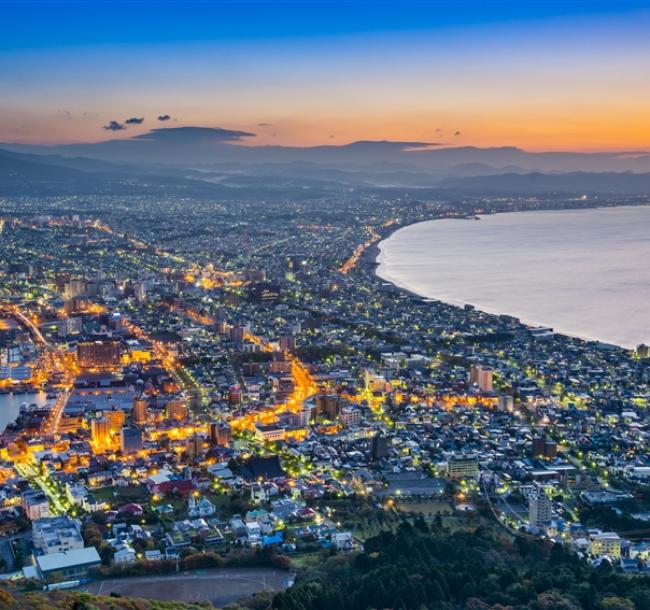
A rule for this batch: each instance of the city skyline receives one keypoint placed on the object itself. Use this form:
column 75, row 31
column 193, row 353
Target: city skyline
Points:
column 540, row 76
column 315, row 304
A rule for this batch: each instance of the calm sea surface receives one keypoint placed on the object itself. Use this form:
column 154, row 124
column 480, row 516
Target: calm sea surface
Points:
column 586, row 273
column 10, row 405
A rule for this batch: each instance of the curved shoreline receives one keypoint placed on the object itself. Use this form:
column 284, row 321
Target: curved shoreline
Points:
column 376, row 253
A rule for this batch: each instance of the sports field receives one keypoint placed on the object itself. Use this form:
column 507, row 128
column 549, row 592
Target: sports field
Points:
column 220, row 587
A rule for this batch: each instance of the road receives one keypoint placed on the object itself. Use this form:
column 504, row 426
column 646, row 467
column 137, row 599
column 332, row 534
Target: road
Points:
column 54, row 418
column 59, row 504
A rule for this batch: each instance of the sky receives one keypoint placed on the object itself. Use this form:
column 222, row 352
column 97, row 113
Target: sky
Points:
column 553, row 75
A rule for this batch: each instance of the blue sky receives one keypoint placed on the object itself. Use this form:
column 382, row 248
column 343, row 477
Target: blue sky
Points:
column 555, row 74
column 49, row 23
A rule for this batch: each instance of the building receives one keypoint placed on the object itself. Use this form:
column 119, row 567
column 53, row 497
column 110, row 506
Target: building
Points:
column 194, row 446
column 540, row 509
column 343, row 541
column 506, row 403
column 606, row 544
column 116, row 419
column 74, row 288
column 220, row 434
column 543, row 448
column 350, row 416
column 178, row 410
column 140, row 291
column 56, row 535
column 76, row 492
column 139, row 411
column 130, row 440
column 201, row 507
column 287, row 343
column 98, row 354
column 35, row 504
column 298, row 419
column 462, row 467
column 264, row 292
column 100, row 432
column 68, row 565
column 270, row 433
column 380, row 446
column 481, row 376
column 643, row 351
column 328, row 405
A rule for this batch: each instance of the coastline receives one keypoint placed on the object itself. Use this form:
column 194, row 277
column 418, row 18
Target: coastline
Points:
column 375, row 252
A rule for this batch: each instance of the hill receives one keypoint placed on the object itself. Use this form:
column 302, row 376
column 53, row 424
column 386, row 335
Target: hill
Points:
column 70, row 600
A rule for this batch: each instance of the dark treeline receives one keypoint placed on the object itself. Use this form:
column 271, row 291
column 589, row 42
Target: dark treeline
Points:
column 415, row 568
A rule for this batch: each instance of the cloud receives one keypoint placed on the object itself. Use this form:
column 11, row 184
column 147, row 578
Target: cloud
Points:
column 187, row 135
column 114, row 126
column 134, row 120
column 164, row 117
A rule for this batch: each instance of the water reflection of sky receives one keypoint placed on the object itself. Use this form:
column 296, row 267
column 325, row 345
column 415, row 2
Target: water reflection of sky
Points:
column 10, row 405
column 583, row 272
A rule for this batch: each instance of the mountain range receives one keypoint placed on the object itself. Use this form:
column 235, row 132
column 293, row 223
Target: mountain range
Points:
column 208, row 162
column 192, row 146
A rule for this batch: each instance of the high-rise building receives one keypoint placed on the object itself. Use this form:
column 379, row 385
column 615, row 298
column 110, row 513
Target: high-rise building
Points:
column 380, row 446
column 350, row 416
column 116, row 419
column 539, row 509
column 481, row 376
column 328, row 405
column 220, row 434
column 287, row 343
column 139, row 411
column 100, row 432
column 538, row 446
column 177, row 409
column 194, row 446
column 236, row 333
column 506, row 403
column 98, row 354
column 74, row 288
column 139, row 291
column 130, row 440
column 544, row 448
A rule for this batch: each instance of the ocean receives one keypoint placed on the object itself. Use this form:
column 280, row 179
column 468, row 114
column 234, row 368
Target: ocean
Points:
column 586, row 273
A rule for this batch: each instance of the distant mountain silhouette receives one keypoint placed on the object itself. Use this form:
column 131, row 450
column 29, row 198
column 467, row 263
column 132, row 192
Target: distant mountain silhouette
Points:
column 194, row 146
column 41, row 175
column 573, row 182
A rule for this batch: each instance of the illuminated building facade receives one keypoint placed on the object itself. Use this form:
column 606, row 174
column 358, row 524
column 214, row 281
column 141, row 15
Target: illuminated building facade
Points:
column 98, row 354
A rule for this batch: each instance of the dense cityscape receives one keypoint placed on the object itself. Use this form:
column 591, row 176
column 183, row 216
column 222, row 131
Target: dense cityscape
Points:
column 324, row 305
column 233, row 383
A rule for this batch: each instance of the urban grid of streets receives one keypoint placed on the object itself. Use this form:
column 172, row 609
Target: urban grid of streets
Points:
column 246, row 331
